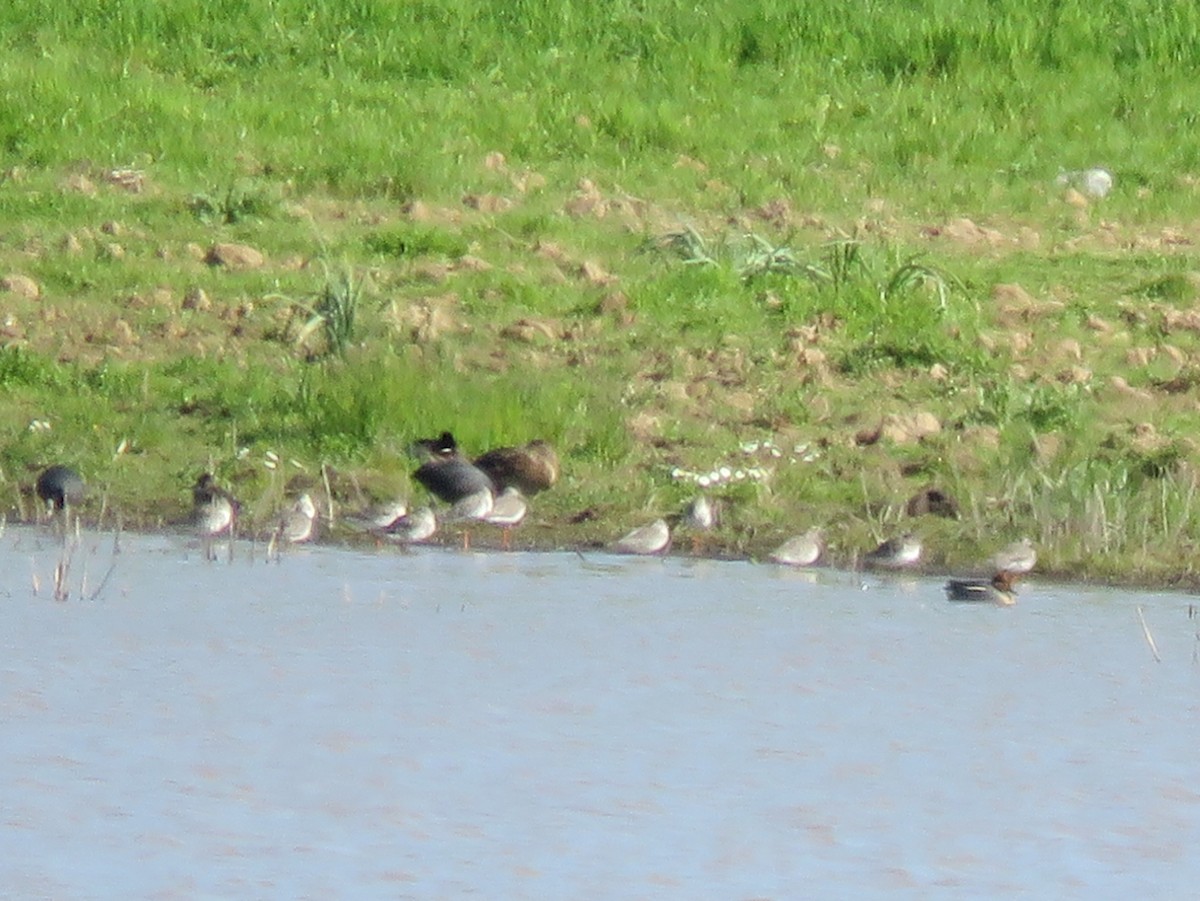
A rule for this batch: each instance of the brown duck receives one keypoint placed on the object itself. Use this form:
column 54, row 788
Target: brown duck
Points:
column 530, row 468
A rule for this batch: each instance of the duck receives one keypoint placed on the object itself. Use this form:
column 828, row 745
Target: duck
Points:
column 530, row 468
column 508, row 511
column 60, row 486
column 800, row 550
column 446, row 473
column 901, row 552
column 646, row 540
column 997, row 590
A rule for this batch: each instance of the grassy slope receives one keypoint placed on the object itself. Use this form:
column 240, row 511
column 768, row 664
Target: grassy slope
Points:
column 496, row 179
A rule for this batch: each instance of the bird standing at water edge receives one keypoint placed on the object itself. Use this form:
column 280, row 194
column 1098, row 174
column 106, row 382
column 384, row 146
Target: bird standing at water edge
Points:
column 700, row 517
column 214, row 510
column 298, row 522
column 1017, row 559
column 802, row 550
column 60, row 487
column 654, row 538
column 446, row 473
column 412, row 528
column 508, row 512
column 896, row 553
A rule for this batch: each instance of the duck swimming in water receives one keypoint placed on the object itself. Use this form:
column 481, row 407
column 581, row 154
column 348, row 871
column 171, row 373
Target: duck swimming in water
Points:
column 997, row 590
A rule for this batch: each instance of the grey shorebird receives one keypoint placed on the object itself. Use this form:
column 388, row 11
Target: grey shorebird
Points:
column 902, row 552
column 378, row 517
column 700, row 516
column 298, row 522
column 214, row 511
column 1018, row 558
column 801, row 550
column 508, row 511
column 654, row 538
column 412, row 528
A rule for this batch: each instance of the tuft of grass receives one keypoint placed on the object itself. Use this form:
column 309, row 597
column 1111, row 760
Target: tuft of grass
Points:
column 239, row 202
column 335, row 313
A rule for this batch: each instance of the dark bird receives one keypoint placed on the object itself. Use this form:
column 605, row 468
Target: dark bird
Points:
column 446, row 473
column 996, row 590
column 530, row 468
column 214, row 510
column 61, row 486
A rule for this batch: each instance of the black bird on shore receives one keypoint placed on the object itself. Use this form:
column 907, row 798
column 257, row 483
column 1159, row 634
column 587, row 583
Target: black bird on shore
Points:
column 61, row 486
column 446, row 473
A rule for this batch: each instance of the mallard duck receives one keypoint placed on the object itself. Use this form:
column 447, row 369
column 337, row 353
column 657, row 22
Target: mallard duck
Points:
column 530, row 468
column 60, row 486
column 896, row 553
column 801, row 550
column 996, row 590
column 654, row 538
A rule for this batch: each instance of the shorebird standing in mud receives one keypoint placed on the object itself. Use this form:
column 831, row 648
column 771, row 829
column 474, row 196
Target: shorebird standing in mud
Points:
column 802, row 550
column 412, row 528
column 508, row 511
column 214, row 511
column 896, row 553
column 1018, row 558
column 654, row 538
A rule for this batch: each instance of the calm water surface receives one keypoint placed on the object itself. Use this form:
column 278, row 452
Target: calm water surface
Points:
column 442, row 725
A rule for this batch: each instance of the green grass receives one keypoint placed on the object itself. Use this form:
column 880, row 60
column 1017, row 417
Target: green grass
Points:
column 651, row 235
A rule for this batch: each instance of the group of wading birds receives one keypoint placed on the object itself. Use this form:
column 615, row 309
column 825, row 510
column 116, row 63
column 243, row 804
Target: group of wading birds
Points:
column 493, row 489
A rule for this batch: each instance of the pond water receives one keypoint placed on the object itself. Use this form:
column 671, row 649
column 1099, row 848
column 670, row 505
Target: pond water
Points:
column 436, row 724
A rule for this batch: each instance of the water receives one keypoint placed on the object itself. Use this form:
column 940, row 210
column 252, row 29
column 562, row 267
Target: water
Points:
column 440, row 724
